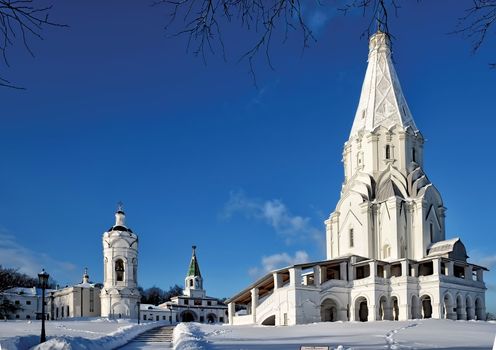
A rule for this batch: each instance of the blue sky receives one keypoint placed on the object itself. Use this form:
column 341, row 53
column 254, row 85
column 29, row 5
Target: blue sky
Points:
column 115, row 110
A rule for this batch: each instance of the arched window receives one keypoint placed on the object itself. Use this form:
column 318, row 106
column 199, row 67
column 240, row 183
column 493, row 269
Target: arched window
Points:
column 388, row 152
column 191, row 283
column 119, row 270
column 352, row 238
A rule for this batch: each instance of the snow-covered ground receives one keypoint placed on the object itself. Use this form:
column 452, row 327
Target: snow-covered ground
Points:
column 100, row 334
column 414, row 334
column 94, row 334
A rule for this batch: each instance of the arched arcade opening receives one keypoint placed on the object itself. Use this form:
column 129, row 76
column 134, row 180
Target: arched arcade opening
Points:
column 361, row 309
column 329, row 310
column 426, row 306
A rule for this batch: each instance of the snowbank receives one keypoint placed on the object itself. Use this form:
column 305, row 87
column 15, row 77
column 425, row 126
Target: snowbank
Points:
column 88, row 333
column 111, row 341
column 19, row 342
column 188, row 336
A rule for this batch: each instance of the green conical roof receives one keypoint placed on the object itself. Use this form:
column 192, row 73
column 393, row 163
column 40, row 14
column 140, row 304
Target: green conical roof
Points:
column 194, row 268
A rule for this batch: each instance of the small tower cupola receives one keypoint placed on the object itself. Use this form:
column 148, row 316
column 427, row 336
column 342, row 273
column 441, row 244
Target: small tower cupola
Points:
column 86, row 277
column 120, row 217
column 193, row 284
column 120, row 220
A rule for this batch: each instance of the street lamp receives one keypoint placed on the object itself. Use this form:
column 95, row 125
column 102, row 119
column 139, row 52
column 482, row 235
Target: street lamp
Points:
column 139, row 313
column 43, row 281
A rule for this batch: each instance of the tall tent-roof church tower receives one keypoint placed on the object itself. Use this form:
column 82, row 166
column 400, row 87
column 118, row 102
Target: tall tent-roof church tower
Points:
column 120, row 296
column 387, row 254
column 388, row 207
column 193, row 283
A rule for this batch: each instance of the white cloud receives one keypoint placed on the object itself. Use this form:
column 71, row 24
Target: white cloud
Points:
column 318, row 19
column 276, row 261
column 15, row 255
column 479, row 258
column 275, row 213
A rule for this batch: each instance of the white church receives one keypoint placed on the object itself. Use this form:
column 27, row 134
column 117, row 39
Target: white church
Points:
column 387, row 253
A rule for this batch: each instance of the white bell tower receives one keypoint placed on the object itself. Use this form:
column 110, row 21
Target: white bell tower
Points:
column 120, row 296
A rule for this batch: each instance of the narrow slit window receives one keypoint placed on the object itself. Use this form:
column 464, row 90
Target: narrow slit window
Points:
column 352, row 238
column 388, row 152
column 414, row 155
column 119, row 270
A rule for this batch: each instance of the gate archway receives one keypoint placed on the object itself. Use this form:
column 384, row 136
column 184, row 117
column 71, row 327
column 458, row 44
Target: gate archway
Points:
column 188, row 316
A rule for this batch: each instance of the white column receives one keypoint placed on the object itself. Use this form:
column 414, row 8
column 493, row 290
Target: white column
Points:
column 468, row 272
column 450, row 267
column 316, row 275
column 254, row 304
column 387, row 271
column 414, row 270
column 342, row 270
column 351, row 273
column 231, row 309
column 373, row 268
column 372, row 313
column 480, row 275
column 295, row 276
column 277, row 280
column 436, row 266
column 404, row 268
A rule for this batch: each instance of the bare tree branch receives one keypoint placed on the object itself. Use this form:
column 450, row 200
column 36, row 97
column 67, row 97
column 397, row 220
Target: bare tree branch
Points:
column 202, row 22
column 21, row 20
column 477, row 21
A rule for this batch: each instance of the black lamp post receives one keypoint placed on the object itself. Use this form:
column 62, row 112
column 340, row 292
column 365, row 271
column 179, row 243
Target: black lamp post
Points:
column 43, row 281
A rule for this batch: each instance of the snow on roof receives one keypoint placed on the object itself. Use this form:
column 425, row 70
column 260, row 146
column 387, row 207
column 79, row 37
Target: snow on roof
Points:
column 445, row 246
column 33, row 291
column 453, row 248
column 22, row 290
column 85, row 285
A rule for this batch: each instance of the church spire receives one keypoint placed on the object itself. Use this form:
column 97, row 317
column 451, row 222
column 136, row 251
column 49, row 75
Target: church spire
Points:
column 193, row 284
column 382, row 102
column 194, row 268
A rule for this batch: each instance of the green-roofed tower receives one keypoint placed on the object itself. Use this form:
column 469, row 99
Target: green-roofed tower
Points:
column 194, row 268
column 193, row 285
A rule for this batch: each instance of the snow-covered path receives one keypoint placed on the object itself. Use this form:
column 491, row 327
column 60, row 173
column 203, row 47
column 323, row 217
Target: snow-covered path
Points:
column 414, row 334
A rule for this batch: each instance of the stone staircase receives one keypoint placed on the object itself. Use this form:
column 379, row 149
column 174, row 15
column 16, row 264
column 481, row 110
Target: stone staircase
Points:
column 158, row 336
